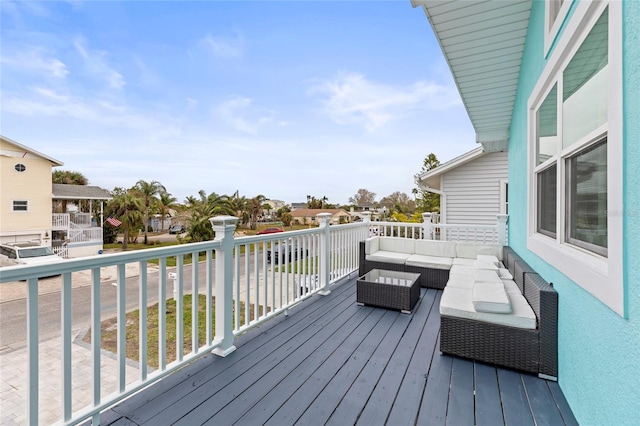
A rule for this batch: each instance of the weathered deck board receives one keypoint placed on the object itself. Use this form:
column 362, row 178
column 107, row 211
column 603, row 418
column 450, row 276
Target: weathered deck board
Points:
column 333, row 362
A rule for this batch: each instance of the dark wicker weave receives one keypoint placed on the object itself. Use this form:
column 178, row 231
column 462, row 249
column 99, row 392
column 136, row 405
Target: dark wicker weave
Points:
column 534, row 351
column 492, row 343
column 544, row 301
column 431, row 278
column 389, row 296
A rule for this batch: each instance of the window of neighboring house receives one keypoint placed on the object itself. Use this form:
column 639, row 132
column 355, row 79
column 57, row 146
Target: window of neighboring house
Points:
column 576, row 155
column 20, row 206
column 555, row 13
column 20, row 167
column 504, row 196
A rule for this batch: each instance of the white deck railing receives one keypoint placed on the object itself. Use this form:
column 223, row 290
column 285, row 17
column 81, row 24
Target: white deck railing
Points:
column 486, row 234
column 241, row 282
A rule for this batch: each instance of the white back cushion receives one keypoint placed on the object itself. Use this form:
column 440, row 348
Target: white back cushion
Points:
column 472, row 250
column 371, row 245
column 398, row 245
column 436, row 248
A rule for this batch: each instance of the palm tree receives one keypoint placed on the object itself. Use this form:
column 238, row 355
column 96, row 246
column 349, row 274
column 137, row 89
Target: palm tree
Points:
column 69, row 177
column 201, row 210
column 240, row 206
column 148, row 192
column 126, row 207
column 165, row 203
column 255, row 209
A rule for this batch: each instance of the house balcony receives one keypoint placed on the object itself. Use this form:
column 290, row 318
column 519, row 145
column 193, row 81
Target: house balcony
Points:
column 274, row 343
column 75, row 235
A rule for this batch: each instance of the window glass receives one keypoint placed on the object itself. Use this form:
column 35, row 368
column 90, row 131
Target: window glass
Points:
column 587, row 198
column 20, row 206
column 554, row 9
column 584, row 91
column 547, row 205
column 547, row 127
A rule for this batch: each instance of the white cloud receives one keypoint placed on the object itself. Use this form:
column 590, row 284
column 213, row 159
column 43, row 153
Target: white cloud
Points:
column 96, row 64
column 224, row 47
column 37, row 60
column 350, row 98
column 238, row 112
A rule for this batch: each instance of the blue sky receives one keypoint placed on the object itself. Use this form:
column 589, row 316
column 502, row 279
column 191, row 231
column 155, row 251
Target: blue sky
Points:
column 277, row 98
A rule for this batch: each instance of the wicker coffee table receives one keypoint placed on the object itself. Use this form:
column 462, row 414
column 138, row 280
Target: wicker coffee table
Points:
column 388, row 289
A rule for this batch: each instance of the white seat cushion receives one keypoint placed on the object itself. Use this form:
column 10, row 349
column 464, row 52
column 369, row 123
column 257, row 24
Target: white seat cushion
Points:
column 457, row 302
column 478, row 264
column 490, row 297
column 481, row 275
column 461, row 270
column 463, row 261
column 433, row 262
column 488, row 258
column 388, row 256
column 504, row 274
column 466, row 281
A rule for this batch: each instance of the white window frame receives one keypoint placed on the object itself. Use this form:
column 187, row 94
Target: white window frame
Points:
column 504, row 200
column 601, row 276
column 552, row 28
column 13, row 206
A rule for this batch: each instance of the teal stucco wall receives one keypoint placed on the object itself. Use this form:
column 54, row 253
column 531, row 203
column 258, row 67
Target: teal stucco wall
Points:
column 599, row 351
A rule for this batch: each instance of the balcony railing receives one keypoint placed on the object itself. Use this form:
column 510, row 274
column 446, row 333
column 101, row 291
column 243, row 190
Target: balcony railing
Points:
column 241, row 282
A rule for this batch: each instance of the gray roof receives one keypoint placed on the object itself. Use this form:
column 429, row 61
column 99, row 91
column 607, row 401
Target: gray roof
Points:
column 79, row 192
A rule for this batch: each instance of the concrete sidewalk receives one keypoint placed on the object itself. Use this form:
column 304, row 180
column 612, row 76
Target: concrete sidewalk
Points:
column 14, row 385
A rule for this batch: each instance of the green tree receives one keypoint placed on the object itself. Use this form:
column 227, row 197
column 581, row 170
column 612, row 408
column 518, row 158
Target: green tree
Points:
column 69, row 177
column 148, row 192
column 127, row 207
column 201, row 210
column 165, row 203
column 426, row 201
column 363, row 196
column 255, row 209
column 398, row 201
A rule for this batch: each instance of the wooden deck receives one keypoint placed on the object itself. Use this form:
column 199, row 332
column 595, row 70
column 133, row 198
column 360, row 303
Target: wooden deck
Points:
column 333, row 362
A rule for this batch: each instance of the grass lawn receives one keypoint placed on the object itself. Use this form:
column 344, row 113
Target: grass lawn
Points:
column 109, row 330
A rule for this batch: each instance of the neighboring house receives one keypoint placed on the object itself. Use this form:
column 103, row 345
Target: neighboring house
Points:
column 310, row 216
column 296, row 206
column 376, row 213
column 77, row 230
column 472, row 187
column 25, row 193
column 544, row 80
column 34, row 209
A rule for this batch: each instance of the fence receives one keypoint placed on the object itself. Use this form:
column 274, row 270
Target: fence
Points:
column 188, row 300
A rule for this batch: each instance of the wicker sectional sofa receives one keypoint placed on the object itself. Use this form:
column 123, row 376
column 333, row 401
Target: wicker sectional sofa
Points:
column 526, row 342
column 534, row 350
column 431, row 259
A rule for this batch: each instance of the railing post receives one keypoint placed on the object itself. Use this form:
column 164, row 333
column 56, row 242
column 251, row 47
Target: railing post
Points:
column 502, row 229
column 325, row 252
column 427, row 226
column 224, row 226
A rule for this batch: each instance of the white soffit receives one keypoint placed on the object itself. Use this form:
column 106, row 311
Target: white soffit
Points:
column 482, row 42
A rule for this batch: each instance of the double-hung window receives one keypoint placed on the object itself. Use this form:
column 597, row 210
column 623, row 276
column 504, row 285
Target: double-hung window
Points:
column 575, row 154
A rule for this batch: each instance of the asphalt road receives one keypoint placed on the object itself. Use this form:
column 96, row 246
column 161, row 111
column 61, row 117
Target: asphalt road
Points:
column 13, row 315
